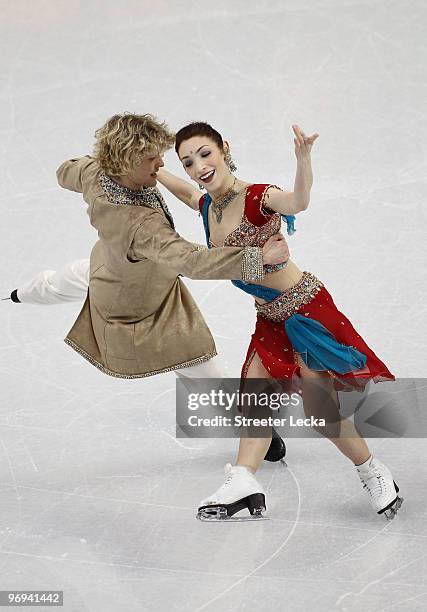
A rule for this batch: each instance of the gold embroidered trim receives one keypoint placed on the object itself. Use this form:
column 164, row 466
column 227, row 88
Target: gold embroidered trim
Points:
column 123, row 196
column 265, row 196
column 248, row 234
column 252, row 264
column 291, row 300
column 100, row 366
column 248, row 363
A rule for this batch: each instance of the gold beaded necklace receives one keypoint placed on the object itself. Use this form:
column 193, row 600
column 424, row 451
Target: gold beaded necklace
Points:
column 221, row 203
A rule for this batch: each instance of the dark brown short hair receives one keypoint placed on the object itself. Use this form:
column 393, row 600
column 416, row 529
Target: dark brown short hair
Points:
column 198, row 128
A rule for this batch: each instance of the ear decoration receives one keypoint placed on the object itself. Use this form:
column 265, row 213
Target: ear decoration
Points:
column 229, row 161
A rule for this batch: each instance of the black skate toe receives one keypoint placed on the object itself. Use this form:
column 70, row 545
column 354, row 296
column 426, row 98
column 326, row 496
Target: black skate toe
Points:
column 277, row 449
column 14, row 296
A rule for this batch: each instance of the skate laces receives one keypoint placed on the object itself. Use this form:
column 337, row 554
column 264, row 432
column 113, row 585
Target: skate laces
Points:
column 226, row 484
column 230, row 474
column 375, row 490
column 227, row 468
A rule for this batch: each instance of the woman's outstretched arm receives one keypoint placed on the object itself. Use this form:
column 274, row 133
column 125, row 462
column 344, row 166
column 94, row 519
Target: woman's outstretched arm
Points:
column 292, row 202
column 181, row 189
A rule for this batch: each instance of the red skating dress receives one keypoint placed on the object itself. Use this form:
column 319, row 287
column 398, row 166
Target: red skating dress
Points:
column 308, row 298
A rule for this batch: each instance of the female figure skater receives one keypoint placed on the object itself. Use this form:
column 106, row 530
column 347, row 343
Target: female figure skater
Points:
column 300, row 334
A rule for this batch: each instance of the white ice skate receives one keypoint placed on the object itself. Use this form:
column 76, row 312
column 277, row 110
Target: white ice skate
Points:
column 378, row 481
column 240, row 490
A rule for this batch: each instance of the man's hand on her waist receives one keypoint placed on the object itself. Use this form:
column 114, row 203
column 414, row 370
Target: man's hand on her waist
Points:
column 275, row 250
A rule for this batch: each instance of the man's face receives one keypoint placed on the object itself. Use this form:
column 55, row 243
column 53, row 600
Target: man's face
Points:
column 145, row 173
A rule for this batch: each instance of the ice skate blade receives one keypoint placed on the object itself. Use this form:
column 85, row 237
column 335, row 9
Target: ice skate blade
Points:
column 255, row 503
column 222, row 517
column 392, row 510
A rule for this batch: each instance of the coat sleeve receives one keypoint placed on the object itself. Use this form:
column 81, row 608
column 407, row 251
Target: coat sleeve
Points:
column 156, row 240
column 71, row 173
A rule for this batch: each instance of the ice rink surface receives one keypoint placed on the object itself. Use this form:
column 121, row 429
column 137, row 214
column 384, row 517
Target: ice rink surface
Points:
column 97, row 497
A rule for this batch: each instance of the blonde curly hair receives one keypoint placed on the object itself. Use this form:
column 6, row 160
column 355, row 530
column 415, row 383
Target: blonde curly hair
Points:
column 125, row 139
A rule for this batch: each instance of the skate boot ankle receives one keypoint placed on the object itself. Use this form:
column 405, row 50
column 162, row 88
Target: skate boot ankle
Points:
column 277, row 449
column 378, row 482
column 240, row 490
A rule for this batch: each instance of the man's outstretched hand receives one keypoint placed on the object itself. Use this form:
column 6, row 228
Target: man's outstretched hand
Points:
column 275, row 250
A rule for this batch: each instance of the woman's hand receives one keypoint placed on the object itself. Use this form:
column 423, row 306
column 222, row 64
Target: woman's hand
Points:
column 275, row 250
column 303, row 143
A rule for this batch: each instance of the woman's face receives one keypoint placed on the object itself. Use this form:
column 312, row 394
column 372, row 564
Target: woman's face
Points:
column 203, row 161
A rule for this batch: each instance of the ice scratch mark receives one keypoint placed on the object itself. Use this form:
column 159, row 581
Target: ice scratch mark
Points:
column 276, row 552
column 377, row 581
column 31, row 458
column 177, row 441
column 15, row 484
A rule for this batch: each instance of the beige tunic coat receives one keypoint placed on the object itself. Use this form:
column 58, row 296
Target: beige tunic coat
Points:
column 139, row 318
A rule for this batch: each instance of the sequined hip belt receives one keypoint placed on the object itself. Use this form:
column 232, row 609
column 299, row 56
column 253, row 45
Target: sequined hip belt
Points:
column 287, row 303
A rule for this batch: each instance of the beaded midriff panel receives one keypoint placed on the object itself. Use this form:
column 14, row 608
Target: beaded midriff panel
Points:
column 248, row 234
column 291, row 300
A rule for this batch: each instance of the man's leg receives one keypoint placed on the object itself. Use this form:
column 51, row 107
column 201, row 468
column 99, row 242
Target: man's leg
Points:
column 69, row 284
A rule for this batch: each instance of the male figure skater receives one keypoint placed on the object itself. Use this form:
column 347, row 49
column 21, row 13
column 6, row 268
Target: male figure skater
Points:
column 138, row 318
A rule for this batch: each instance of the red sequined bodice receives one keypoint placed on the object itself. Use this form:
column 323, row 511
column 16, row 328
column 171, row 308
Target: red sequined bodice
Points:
column 258, row 224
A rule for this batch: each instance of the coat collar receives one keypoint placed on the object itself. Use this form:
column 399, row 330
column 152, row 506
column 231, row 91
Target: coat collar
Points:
column 123, row 196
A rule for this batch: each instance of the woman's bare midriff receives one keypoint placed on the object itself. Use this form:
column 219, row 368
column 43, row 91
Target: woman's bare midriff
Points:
column 282, row 279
